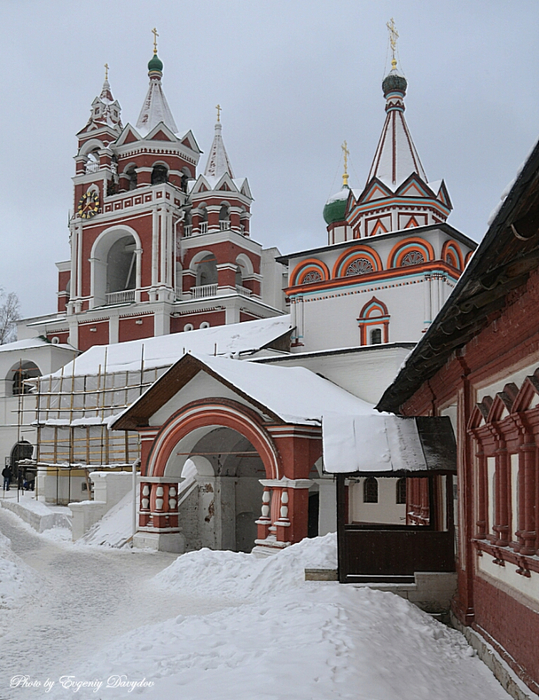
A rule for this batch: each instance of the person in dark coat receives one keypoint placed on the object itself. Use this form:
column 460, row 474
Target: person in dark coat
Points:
column 6, row 473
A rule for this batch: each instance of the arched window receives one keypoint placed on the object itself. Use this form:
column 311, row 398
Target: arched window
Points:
column 414, row 257
column 359, row 266
column 20, row 373
column 185, row 179
column 224, row 218
column 373, row 323
column 400, row 496
column 121, row 269
column 207, row 270
column 187, row 224
column 188, row 327
column 376, row 336
column 204, row 324
column 92, row 161
column 159, row 174
column 131, row 175
column 311, row 276
column 370, row 490
column 203, row 219
column 239, row 276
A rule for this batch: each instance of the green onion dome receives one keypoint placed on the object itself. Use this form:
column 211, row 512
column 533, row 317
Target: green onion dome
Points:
column 155, row 64
column 336, row 206
column 393, row 82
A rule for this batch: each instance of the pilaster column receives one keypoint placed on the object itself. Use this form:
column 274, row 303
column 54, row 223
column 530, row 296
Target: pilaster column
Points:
column 501, row 527
column 158, row 504
column 482, row 490
column 527, row 511
column 264, row 521
column 288, row 511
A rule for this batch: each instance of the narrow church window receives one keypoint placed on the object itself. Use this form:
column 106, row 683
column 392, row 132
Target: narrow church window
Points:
column 376, row 336
column 360, row 266
column 370, row 490
column 414, row 257
column 401, row 491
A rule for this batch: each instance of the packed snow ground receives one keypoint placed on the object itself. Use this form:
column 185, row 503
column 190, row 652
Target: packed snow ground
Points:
column 216, row 625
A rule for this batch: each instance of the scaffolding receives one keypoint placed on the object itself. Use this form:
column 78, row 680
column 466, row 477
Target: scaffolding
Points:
column 73, row 414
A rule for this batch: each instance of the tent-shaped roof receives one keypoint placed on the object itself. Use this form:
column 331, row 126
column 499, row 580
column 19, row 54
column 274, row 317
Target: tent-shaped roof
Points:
column 507, row 254
column 285, row 394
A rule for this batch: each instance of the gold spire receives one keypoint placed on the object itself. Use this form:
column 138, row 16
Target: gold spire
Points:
column 393, row 36
column 346, row 153
column 155, row 35
column 219, row 110
column 106, row 71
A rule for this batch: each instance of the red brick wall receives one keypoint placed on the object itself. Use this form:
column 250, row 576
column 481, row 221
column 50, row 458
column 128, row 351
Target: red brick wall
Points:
column 87, row 337
column 214, row 318
column 513, row 623
column 62, row 336
column 135, row 328
column 509, row 342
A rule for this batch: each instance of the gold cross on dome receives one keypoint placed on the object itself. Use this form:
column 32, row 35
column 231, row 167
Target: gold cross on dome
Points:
column 346, row 153
column 219, row 110
column 393, row 36
column 155, row 35
column 106, row 71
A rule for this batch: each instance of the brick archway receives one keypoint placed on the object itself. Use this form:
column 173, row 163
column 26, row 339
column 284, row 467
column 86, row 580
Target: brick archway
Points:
column 223, row 413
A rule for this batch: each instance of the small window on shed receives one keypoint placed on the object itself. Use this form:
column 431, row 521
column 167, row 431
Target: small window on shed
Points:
column 401, row 491
column 370, row 490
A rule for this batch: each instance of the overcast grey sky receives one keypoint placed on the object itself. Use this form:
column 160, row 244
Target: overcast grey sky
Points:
column 294, row 78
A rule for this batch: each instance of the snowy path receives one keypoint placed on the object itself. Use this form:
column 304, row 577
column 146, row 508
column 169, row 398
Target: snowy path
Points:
column 103, row 614
column 88, row 597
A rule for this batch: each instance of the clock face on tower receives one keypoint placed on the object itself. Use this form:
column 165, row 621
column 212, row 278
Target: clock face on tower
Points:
column 88, row 205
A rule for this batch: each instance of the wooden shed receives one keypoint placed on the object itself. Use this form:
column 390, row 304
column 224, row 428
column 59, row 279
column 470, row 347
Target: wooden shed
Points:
column 394, row 496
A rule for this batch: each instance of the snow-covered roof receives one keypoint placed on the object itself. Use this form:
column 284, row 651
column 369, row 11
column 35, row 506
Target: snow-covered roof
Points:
column 295, row 394
column 29, row 344
column 385, row 443
column 165, row 350
column 290, row 394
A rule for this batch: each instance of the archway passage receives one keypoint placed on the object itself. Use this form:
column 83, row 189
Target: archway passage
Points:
column 220, row 500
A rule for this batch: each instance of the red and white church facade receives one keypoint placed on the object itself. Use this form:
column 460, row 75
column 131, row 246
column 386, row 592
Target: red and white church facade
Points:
column 155, row 249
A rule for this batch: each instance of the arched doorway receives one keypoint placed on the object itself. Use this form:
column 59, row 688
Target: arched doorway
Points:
column 220, row 503
column 20, row 451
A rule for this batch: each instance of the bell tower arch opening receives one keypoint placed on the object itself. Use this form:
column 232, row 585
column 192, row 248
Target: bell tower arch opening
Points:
column 115, row 267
